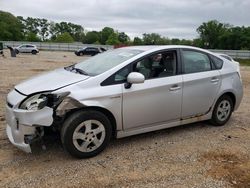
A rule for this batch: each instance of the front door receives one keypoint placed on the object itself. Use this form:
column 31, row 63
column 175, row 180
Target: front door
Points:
column 158, row 99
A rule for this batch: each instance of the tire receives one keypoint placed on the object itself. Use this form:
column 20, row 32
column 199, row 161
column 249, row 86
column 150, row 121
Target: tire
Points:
column 34, row 52
column 17, row 51
column 81, row 54
column 79, row 133
column 222, row 111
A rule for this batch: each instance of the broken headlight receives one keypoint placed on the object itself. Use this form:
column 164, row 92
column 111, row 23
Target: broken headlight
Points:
column 35, row 102
column 39, row 101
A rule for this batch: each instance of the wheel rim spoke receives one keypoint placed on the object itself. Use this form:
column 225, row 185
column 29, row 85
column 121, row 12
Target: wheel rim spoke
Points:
column 98, row 130
column 96, row 142
column 85, row 145
column 88, row 126
column 78, row 135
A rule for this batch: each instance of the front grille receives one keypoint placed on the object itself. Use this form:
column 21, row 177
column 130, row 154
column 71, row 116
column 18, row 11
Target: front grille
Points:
column 9, row 105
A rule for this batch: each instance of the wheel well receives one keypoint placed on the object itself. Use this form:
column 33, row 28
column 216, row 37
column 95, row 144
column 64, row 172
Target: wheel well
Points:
column 232, row 96
column 106, row 112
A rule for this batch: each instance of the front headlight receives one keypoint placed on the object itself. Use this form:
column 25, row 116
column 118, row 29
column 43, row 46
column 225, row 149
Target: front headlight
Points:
column 39, row 101
column 35, row 102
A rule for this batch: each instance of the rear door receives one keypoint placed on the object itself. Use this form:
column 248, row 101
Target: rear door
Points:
column 201, row 83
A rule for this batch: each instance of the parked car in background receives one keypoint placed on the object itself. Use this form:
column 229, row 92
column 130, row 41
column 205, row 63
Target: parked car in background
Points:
column 89, row 51
column 123, row 92
column 27, row 48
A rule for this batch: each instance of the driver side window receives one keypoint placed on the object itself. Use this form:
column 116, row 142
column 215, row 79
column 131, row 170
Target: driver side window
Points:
column 157, row 65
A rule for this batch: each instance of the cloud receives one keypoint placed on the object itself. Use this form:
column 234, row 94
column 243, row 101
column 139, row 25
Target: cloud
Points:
column 169, row 18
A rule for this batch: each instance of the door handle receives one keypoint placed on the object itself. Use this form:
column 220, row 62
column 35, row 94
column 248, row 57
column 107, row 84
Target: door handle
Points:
column 174, row 88
column 214, row 79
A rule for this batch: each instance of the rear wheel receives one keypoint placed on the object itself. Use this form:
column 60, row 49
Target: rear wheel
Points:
column 86, row 133
column 222, row 110
column 34, row 52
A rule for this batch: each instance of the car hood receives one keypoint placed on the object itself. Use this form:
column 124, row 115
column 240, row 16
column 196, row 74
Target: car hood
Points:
column 50, row 81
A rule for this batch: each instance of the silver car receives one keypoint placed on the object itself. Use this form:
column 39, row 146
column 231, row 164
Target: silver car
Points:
column 27, row 48
column 123, row 92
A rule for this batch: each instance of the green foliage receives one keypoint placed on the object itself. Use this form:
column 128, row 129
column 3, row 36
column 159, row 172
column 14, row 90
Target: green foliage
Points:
column 32, row 37
column 64, row 37
column 211, row 32
column 105, row 34
column 244, row 62
column 10, row 27
column 137, row 41
column 113, row 39
column 92, row 37
column 123, row 38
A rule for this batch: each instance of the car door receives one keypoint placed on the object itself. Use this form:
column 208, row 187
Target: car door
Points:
column 201, row 83
column 88, row 51
column 22, row 48
column 158, row 99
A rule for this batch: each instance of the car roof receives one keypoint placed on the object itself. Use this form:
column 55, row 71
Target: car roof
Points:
column 160, row 47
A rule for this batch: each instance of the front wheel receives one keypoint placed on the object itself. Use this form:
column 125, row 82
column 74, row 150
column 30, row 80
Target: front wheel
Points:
column 86, row 133
column 222, row 111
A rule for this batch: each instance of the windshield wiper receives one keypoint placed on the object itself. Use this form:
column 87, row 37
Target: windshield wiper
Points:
column 76, row 70
column 80, row 71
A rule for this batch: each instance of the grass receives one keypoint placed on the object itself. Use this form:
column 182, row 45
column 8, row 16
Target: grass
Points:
column 244, row 62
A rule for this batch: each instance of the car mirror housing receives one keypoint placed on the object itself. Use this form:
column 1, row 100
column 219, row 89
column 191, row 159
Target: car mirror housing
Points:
column 135, row 78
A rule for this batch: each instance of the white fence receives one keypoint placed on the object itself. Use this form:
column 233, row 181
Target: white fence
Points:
column 54, row 46
column 238, row 54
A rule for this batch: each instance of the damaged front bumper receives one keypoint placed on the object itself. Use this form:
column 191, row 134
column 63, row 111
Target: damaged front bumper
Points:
column 22, row 125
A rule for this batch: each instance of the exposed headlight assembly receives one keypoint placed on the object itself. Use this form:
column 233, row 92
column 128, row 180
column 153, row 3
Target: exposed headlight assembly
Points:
column 39, row 101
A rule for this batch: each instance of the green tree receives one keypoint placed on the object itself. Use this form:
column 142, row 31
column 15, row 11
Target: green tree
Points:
column 113, row 39
column 137, row 41
column 123, row 38
column 64, row 37
column 10, row 27
column 43, row 28
column 152, row 39
column 92, row 37
column 105, row 34
column 32, row 37
column 210, row 33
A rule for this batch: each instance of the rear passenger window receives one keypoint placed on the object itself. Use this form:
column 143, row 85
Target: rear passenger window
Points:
column 217, row 62
column 194, row 61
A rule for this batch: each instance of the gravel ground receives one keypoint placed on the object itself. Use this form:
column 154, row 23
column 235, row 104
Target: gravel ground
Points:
column 194, row 155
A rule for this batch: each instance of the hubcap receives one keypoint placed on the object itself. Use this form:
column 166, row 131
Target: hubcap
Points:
column 89, row 135
column 223, row 110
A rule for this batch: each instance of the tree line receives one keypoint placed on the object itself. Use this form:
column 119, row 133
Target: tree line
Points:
column 212, row 34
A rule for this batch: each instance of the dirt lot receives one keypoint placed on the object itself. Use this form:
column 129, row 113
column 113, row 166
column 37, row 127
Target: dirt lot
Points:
column 195, row 155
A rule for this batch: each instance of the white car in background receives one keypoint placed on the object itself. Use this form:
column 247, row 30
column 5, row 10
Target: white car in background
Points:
column 27, row 48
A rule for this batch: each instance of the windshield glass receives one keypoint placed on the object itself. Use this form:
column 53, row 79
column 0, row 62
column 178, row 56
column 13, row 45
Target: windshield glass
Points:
column 105, row 61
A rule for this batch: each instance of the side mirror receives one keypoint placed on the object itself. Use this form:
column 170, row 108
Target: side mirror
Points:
column 134, row 78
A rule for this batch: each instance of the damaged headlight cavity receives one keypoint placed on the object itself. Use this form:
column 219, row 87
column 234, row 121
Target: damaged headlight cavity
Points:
column 39, row 101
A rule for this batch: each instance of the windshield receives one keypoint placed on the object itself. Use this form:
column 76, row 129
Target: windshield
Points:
column 105, row 61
